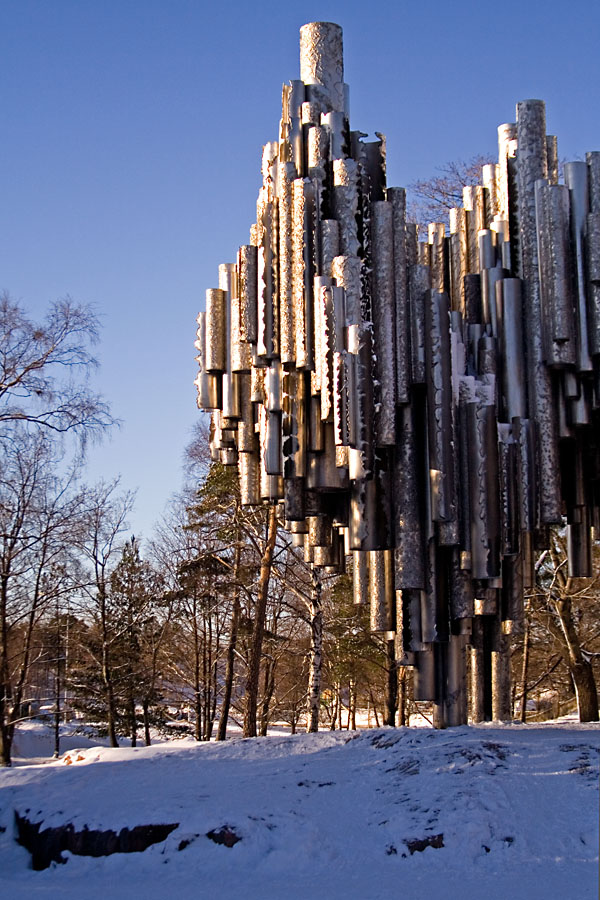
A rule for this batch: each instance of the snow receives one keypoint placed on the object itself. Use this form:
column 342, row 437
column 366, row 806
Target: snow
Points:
column 326, row 815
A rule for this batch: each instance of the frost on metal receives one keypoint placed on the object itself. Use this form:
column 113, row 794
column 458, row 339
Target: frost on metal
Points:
column 419, row 411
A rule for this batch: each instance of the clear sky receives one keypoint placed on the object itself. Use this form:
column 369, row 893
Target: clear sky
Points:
column 131, row 143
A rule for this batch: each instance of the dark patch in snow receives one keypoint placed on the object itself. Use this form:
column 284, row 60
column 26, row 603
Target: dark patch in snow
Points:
column 497, row 750
column 225, row 835
column 315, row 783
column 408, row 767
column 185, row 842
column 383, row 741
column 487, row 849
column 391, row 850
column 269, row 825
column 47, row 846
column 417, row 845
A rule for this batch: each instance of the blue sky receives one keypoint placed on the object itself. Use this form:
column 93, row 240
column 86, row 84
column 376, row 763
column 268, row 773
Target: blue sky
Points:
column 131, row 144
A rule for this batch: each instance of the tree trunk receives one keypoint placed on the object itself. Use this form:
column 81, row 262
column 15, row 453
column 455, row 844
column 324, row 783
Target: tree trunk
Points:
column 132, row 721
column 230, row 656
column 500, row 675
column 579, row 667
column 334, row 711
column 145, row 706
column 197, row 675
column 259, row 626
column 352, row 709
column 316, row 654
column 5, row 691
column 56, row 753
column 374, row 705
column 525, row 672
column 198, row 723
column 269, row 688
column 402, row 697
column 111, row 718
column 477, row 693
column 391, row 685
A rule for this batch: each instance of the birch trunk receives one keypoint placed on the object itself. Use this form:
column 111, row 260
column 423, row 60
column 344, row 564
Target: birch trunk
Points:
column 316, row 654
column 231, row 646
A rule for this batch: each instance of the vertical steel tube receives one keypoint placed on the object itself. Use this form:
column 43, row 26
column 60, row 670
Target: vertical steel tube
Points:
column 346, row 271
column 216, row 339
column 303, row 270
column 576, row 180
column 397, row 198
column 510, row 314
column 322, row 64
column 532, row 166
column 384, row 315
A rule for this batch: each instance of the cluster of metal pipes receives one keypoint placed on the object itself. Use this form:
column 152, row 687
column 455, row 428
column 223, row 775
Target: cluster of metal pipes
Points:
column 424, row 409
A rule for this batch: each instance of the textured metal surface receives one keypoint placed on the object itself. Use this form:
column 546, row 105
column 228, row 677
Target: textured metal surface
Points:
column 402, row 401
column 436, row 233
column 249, row 479
column 408, row 489
column 507, row 134
column 384, row 315
column 345, row 200
column 489, row 177
column 329, row 245
column 346, row 270
column 419, row 283
column 216, row 340
column 247, row 274
column 397, row 199
column 439, row 391
column 303, row 270
column 378, row 593
column 576, row 180
column 555, row 274
column 512, row 353
column 458, row 258
column 287, row 339
column 322, row 63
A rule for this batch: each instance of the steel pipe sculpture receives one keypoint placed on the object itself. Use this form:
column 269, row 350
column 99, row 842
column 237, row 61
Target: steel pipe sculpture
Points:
column 426, row 410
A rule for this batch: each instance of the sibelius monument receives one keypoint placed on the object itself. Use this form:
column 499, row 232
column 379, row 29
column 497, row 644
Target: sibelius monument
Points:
column 425, row 409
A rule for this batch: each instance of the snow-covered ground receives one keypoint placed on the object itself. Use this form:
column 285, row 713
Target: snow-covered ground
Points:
column 513, row 810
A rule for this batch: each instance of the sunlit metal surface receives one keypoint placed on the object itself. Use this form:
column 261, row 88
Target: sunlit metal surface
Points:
column 424, row 410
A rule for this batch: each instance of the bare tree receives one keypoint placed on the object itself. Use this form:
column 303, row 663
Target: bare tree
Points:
column 100, row 545
column 43, row 367
column 39, row 516
column 567, row 610
column 431, row 199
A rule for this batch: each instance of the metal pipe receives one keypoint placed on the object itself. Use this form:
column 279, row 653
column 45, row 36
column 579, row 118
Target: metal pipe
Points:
column 576, row 180
column 322, row 64
column 384, row 315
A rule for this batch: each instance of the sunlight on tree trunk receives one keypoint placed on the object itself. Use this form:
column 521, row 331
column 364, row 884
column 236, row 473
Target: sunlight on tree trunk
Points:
column 316, row 652
column 251, row 709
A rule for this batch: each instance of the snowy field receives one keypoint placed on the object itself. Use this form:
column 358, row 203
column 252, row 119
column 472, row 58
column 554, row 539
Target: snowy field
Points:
column 489, row 813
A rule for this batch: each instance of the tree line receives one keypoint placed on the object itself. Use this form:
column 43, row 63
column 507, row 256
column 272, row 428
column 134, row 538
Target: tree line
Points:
column 218, row 620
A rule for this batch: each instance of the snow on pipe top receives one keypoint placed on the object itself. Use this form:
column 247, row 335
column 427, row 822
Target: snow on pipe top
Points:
column 426, row 410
